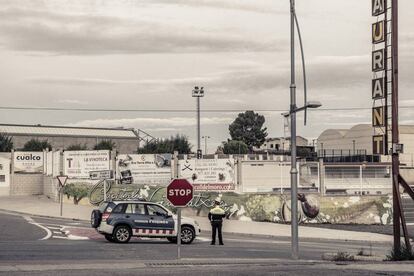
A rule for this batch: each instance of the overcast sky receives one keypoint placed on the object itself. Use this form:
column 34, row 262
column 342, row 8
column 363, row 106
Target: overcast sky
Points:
column 149, row 54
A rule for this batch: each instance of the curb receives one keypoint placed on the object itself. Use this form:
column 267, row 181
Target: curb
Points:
column 41, row 216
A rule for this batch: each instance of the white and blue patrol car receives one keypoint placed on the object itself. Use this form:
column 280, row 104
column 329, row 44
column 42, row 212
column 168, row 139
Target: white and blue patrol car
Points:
column 118, row 221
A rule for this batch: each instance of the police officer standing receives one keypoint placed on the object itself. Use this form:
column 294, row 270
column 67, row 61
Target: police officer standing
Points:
column 216, row 216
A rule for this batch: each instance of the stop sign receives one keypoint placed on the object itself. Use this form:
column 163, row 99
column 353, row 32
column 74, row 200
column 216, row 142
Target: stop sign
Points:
column 180, row 192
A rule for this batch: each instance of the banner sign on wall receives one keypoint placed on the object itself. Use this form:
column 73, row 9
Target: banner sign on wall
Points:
column 209, row 174
column 149, row 169
column 28, row 161
column 4, row 172
column 78, row 164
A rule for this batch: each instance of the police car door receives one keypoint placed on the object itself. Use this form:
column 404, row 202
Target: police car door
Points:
column 136, row 212
column 159, row 221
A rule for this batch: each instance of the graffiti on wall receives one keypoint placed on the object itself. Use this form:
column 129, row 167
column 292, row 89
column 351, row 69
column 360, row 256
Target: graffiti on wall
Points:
column 312, row 208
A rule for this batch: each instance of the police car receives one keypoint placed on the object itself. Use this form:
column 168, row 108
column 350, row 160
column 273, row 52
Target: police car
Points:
column 118, row 221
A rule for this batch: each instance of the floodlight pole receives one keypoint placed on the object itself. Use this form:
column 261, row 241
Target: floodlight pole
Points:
column 198, row 93
column 293, row 170
column 198, row 124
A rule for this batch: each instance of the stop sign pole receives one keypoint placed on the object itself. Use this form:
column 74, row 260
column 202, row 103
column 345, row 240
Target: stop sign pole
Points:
column 179, row 193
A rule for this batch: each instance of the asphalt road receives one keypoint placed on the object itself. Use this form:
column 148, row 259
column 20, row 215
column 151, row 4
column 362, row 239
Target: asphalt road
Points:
column 36, row 243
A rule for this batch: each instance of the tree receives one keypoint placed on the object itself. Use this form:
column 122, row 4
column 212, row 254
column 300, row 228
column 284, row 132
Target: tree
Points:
column 77, row 191
column 77, row 147
column 6, row 143
column 104, row 145
column 36, row 145
column 235, row 147
column 248, row 128
column 174, row 143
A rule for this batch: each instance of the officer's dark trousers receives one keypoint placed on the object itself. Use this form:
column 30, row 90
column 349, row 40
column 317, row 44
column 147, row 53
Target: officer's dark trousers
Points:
column 216, row 227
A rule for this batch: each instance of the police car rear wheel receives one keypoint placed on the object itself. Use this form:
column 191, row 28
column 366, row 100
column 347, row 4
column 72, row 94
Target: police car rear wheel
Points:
column 109, row 238
column 187, row 235
column 95, row 218
column 122, row 234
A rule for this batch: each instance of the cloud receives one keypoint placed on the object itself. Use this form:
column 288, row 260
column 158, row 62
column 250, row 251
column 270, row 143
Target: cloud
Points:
column 71, row 101
column 153, row 123
column 96, row 34
column 264, row 6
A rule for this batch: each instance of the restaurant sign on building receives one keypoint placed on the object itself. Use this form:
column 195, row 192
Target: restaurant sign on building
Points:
column 379, row 91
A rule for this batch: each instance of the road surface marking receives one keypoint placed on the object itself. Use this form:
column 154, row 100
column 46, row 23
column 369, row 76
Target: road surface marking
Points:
column 48, row 232
column 54, row 227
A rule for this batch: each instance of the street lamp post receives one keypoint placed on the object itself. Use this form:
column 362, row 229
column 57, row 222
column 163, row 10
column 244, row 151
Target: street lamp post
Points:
column 292, row 113
column 205, row 143
column 198, row 93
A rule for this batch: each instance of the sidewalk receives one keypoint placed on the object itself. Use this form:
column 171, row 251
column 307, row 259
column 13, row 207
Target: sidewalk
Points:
column 40, row 205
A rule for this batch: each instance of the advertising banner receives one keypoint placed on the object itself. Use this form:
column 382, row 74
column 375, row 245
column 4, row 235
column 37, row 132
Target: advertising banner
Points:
column 28, row 161
column 150, row 169
column 4, row 172
column 209, row 174
column 78, row 164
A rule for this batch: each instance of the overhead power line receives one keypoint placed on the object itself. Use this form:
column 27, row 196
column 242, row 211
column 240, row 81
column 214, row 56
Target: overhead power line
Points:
column 173, row 110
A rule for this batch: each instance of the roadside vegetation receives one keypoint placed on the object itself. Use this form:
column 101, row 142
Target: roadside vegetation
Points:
column 404, row 254
column 234, row 147
column 77, row 147
column 105, row 145
column 76, row 191
column 6, row 143
column 343, row 257
column 177, row 143
column 37, row 145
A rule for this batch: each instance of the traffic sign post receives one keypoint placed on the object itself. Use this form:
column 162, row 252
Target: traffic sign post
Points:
column 62, row 182
column 179, row 192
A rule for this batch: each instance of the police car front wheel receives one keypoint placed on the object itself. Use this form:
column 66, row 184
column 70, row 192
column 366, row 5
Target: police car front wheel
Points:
column 187, row 235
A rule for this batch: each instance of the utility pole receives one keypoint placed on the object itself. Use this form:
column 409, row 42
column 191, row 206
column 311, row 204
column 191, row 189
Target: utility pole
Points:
column 395, row 138
column 198, row 93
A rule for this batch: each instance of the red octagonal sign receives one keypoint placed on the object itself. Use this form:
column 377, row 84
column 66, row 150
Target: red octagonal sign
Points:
column 180, row 192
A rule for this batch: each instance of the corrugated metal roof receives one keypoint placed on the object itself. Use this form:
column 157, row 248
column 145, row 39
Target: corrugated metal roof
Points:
column 66, row 131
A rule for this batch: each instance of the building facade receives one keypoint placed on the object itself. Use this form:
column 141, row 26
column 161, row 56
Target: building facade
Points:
column 358, row 140
column 61, row 137
column 278, row 144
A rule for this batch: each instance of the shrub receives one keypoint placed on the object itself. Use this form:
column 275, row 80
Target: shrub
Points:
column 104, row 145
column 343, row 257
column 404, row 254
column 77, row 147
